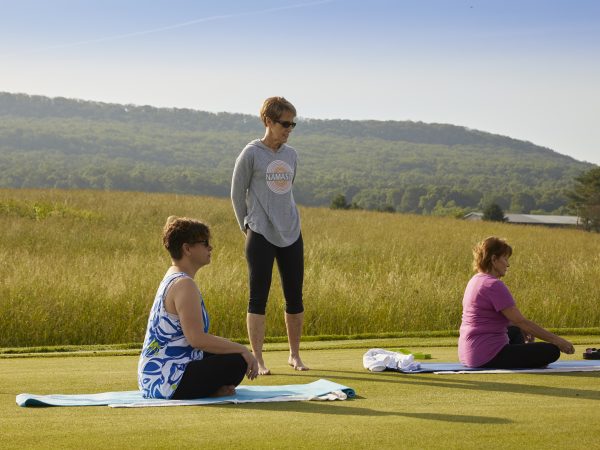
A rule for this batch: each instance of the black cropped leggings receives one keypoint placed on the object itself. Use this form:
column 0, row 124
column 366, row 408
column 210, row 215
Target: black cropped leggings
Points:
column 518, row 355
column 203, row 377
column 260, row 255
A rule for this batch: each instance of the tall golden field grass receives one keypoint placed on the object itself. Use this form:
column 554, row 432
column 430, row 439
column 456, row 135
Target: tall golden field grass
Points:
column 82, row 267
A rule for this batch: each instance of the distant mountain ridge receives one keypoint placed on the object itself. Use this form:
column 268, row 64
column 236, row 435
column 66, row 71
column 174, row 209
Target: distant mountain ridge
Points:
column 403, row 166
column 417, row 132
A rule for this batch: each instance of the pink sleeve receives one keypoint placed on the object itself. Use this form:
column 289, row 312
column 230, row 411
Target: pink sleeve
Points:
column 500, row 296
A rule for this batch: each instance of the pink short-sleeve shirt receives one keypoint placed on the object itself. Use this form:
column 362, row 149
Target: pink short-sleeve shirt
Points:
column 483, row 331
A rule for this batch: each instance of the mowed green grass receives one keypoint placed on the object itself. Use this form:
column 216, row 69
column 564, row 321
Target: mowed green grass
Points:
column 82, row 267
column 391, row 410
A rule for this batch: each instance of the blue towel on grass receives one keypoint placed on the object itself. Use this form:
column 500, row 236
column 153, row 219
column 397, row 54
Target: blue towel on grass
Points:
column 559, row 366
column 244, row 394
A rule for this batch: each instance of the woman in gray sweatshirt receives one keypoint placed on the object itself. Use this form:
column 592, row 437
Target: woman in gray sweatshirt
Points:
column 261, row 193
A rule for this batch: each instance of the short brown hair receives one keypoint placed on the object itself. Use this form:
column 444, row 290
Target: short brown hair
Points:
column 274, row 107
column 182, row 230
column 483, row 252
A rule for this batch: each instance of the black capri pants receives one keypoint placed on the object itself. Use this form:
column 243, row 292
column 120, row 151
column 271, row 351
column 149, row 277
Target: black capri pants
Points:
column 518, row 355
column 260, row 255
column 203, row 377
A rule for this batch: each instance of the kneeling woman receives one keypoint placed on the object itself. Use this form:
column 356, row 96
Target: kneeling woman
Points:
column 486, row 339
column 179, row 359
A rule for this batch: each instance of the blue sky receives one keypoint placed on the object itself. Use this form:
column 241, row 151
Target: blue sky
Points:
column 529, row 69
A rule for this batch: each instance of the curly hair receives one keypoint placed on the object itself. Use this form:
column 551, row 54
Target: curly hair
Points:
column 274, row 107
column 484, row 250
column 182, row 230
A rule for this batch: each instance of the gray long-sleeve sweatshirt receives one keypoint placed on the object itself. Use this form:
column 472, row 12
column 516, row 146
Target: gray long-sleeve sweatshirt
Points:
column 261, row 192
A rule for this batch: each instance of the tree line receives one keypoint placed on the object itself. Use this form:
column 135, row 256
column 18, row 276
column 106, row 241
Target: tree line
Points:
column 389, row 166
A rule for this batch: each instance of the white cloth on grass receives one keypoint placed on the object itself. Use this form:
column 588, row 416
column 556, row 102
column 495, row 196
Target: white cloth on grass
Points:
column 333, row 395
column 377, row 360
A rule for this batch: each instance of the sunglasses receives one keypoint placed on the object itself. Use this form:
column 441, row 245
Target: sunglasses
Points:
column 204, row 242
column 285, row 123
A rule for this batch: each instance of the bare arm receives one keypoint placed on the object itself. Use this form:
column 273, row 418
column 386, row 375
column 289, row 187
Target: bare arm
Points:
column 186, row 300
column 514, row 315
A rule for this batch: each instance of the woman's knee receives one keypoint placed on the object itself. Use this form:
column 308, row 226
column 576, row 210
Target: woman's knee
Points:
column 553, row 353
column 515, row 335
column 241, row 363
column 294, row 306
column 237, row 369
column 257, row 306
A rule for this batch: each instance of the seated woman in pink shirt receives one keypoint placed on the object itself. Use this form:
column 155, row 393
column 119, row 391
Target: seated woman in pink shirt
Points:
column 486, row 337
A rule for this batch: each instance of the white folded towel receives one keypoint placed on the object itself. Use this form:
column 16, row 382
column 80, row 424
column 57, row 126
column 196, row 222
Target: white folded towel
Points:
column 377, row 360
column 333, row 395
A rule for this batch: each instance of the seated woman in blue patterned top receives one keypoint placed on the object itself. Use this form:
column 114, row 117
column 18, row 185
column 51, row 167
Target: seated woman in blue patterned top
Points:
column 180, row 359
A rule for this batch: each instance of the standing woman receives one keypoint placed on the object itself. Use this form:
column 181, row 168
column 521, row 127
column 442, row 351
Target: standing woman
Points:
column 180, row 359
column 486, row 339
column 261, row 193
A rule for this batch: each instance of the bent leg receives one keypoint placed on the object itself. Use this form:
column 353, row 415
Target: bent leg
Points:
column 211, row 375
column 515, row 335
column 524, row 356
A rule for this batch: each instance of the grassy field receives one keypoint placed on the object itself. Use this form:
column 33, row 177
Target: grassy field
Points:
column 391, row 410
column 82, row 267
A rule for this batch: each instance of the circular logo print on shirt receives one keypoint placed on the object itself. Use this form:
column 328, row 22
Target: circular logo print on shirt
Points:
column 279, row 176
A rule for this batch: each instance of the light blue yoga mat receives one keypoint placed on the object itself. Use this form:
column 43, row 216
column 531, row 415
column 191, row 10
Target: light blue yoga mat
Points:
column 244, row 394
column 559, row 366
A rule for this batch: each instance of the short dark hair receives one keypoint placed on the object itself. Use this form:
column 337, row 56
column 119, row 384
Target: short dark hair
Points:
column 274, row 107
column 182, row 230
column 483, row 252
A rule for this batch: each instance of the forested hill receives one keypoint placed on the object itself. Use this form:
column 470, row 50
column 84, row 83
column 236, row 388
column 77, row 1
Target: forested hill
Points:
column 402, row 166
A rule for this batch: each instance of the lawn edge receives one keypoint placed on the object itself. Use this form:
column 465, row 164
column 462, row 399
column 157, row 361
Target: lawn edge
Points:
column 321, row 342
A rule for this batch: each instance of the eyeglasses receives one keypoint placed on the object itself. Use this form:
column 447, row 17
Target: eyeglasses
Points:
column 204, row 242
column 285, row 123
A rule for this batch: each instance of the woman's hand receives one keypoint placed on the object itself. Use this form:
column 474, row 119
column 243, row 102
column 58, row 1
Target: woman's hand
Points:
column 252, row 371
column 564, row 345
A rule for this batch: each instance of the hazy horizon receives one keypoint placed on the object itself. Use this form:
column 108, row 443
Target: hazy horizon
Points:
column 525, row 69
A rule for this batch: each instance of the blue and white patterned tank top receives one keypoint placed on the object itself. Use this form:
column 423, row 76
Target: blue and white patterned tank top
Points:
column 166, row 351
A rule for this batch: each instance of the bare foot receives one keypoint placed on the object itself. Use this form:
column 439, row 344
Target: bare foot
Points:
column 262, row 367
column 296, row 363
column 262, row 370
column 224, row 391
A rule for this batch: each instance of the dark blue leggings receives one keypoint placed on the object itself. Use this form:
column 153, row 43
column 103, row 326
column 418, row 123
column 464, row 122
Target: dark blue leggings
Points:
column 260, row 255
column 203, row 377
column 518, row 355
